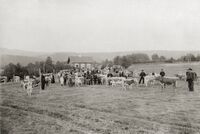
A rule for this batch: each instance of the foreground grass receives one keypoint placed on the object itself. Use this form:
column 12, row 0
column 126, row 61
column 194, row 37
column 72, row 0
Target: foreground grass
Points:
column 100, row 109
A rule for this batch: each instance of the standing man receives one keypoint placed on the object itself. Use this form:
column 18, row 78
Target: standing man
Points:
column 162, row 73
column 190, row 77
column 43, row 81
column 142, row 75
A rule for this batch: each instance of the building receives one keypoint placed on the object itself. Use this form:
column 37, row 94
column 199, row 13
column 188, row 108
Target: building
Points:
column 82, row 62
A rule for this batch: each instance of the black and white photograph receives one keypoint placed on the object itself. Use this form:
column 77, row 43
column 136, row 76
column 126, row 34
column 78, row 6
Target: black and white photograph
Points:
column 99, row 67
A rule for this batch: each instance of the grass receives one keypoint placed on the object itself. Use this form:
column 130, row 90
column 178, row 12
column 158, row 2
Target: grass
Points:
column 100, row 109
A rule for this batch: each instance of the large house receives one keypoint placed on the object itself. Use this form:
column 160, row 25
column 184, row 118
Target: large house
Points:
column 82, row 62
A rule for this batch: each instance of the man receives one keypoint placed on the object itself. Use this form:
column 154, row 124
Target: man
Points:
column 190, row 77
column 142, row 75
column 52, row 79
column 162, row 73
column 43, row 81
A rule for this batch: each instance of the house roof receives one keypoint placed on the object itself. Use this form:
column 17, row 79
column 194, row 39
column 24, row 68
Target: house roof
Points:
column 82, row 59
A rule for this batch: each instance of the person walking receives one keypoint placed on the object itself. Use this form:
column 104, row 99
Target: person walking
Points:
column 142, row 75
column 190, row 77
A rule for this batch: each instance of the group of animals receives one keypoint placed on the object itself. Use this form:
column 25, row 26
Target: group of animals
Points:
column 149, row 80
column 125, row 82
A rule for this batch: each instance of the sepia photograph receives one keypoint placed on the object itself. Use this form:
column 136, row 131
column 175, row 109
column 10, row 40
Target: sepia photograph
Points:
column 99, row 67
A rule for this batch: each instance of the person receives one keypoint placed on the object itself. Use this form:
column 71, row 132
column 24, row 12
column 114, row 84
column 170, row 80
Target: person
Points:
column 52, row 79
column 142, row 75
column 65, row 79
column 162, row 73
column 43, row 81
column 190, row 77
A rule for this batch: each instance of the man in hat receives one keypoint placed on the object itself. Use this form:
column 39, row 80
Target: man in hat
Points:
column 162, row 73
column 190, row 77
column 142, row 75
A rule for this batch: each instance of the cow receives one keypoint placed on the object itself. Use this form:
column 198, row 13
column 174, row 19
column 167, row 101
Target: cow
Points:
column 167, row 81
column 16, row 79
column 115, row 81
column 103, row 79
column 128, row 83
column 180, row 76
column 79, row 81
column 27, row 86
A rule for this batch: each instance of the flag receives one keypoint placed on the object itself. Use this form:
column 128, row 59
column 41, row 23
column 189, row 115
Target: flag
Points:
column 68, row 61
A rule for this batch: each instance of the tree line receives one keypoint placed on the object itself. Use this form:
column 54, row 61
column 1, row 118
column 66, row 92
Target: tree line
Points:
column 32, row 69
column 128, row 60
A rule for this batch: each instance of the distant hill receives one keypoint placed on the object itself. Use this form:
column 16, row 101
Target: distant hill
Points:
column 25, row 57
column 5, row 51
column 23, row 60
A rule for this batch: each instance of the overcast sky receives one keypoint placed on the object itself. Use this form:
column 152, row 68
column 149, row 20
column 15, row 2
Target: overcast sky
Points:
column 100, row 25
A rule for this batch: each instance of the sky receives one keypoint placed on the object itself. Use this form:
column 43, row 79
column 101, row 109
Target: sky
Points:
column 100, row 25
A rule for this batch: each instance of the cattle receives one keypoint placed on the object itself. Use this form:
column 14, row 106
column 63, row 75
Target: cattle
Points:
column 103, row 79
column 167, row 81
column 3, row 79
column 180, row 76
column 27, row 86
column 115, row 81
column 128, row 83
column 79, row 81
column 16, row 79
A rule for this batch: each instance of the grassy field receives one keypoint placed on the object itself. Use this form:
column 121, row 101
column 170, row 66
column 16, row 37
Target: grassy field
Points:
column 100, row 109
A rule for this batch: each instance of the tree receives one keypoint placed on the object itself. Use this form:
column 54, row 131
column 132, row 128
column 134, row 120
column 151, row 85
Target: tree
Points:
column 116, row 60
column 9, row 71
column 162, row 58
column 49, row 65
column 106, row 63
column 125, row 62
column 190, row 57
column 155, row 57
column 198, row 57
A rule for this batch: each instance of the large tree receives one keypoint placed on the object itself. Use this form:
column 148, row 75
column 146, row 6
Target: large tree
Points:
column 155, row 57
column 49, row 67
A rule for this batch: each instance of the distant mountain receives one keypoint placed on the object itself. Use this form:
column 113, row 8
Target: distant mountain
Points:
column 25, row 57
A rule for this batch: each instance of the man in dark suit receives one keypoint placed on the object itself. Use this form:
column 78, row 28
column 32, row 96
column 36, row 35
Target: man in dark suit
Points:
column 142, row 75
column 162, row 73
column 190, row 77
column 43, row 81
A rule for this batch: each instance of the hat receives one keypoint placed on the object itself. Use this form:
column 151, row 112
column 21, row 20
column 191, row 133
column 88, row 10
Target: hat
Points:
column 190, row 69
